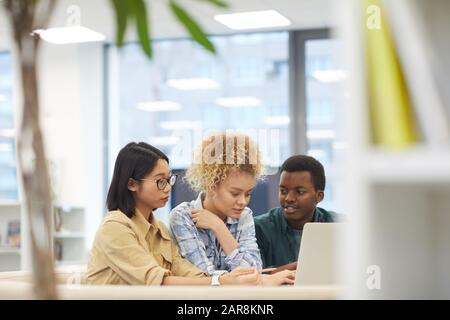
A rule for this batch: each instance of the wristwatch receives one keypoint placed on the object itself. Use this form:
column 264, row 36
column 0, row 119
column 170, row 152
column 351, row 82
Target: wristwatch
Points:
column 215, row 280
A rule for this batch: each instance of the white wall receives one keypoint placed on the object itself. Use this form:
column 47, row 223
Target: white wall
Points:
column 60, row 88
column 92, row 103
column 71, row 90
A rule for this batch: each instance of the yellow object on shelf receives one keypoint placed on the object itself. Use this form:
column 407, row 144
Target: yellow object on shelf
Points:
column 391, row 114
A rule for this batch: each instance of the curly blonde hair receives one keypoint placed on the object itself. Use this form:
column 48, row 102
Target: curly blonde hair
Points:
column 218, row 154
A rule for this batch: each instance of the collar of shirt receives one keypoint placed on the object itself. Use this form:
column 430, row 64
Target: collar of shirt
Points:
column 144, row 226
column 198, row 204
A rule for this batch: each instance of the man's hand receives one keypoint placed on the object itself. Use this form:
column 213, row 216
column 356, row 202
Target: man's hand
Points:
column 290, row 266
column 205, row 219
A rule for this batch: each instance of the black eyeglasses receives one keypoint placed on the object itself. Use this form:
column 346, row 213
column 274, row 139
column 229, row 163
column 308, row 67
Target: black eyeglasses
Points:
column 162, row 183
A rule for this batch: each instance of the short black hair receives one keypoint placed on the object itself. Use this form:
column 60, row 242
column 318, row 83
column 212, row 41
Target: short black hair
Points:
column 309, row 164
column 134, row 161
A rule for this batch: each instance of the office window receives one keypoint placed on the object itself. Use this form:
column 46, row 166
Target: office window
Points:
column 185, row 92
column 323, row 92
column 8, row 181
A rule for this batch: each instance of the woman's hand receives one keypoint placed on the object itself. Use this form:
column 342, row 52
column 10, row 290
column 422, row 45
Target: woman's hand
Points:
column 279, row 278
column 205, row 219
column 241, row 276
column 239, row 271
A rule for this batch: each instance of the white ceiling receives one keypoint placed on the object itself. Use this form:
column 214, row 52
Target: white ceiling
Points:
column 98, row 15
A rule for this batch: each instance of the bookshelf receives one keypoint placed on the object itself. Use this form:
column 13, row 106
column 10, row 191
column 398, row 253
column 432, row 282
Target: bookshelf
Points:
column 10, row 255
column 398, row 198
column 69, row 235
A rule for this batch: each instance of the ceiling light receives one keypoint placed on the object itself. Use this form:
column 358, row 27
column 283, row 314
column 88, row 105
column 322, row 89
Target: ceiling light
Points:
column 320, row 134
column 329, row 75
column 159, row 106
column 277, row 120
column 66, row 35
column 236, row 102
column 253, row 20
column 8, row 133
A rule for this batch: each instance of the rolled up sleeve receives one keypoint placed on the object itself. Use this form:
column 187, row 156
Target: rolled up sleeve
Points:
column 127, row 258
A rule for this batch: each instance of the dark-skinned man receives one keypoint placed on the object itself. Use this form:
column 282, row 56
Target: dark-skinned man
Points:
column 279, row 231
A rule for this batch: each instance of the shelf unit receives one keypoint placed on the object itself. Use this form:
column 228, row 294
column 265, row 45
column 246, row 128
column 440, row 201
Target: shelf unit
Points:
column 10, row 257
column 398, row 201
column 69, row 235
column 419, row 165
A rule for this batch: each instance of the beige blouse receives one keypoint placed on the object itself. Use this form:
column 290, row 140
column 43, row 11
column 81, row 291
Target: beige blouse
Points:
column 136, row 252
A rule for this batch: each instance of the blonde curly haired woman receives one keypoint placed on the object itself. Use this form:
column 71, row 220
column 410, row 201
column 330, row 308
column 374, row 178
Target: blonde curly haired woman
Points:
column 216, row 231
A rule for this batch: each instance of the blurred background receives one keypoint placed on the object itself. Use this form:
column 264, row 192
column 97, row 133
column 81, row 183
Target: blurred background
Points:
column 313, row 77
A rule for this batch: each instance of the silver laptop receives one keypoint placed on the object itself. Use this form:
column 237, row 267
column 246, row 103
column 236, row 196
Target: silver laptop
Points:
column 317, row 264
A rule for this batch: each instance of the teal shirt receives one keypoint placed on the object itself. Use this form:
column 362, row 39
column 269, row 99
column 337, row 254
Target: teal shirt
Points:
column 278, row 243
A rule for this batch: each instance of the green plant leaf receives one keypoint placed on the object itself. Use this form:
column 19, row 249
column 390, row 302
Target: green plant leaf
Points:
column 122, row 13
column 139, row 9
column 217, row 3
column 192, row 27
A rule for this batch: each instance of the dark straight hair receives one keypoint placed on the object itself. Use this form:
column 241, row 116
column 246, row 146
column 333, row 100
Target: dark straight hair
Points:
column 134, row 161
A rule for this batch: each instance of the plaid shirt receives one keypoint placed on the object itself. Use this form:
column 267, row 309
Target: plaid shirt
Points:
column 201, row 247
